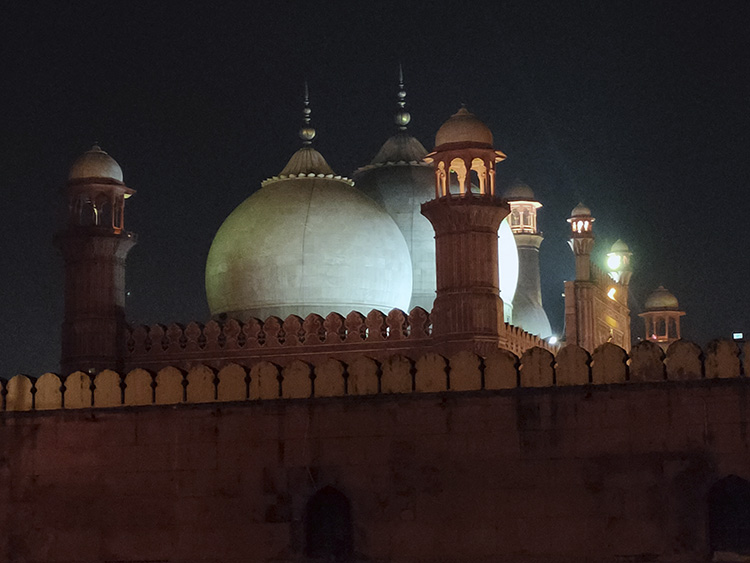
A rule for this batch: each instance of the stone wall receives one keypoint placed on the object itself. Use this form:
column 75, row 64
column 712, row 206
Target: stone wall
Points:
column 569, row 459
column 365, row 375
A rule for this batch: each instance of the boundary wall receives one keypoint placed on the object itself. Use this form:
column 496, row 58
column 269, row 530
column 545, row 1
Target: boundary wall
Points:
column 364, row 375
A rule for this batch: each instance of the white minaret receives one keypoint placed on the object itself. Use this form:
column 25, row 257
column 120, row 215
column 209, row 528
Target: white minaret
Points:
column 528, row 312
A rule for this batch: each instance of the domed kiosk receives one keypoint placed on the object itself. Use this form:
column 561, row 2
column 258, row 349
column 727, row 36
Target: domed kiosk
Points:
column 464, row 127
column 307, row 242
column 662, row 317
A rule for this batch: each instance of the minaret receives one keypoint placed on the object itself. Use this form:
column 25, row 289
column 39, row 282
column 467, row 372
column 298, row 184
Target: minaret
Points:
column 662, row 317
column 582, row 240
column 580, row 320
column 468, row 311
column 94, row 245
column 528, row 312
column 596, row 304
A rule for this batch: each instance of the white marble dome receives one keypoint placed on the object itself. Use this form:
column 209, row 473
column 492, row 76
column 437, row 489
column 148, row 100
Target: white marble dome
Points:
column 307, row 242
column 400, row 181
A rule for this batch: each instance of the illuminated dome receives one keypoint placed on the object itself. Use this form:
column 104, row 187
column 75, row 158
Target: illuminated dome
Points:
column 661, row 299
column 580, row 210
column 463, row 127
column 401, row 182
column 307, row 242
column 519, row 191
column 620, row 247
column 95, row 163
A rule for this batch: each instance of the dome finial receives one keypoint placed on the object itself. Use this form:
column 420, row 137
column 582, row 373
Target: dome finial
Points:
column 306, row 132
column 402, row 116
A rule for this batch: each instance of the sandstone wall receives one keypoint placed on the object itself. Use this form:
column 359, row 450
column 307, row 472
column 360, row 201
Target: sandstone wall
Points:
column 556, row 469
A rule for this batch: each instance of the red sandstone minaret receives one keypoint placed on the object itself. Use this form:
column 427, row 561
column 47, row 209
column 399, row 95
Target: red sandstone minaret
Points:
column 94, row 245
column 596, row 304
column 468, row 311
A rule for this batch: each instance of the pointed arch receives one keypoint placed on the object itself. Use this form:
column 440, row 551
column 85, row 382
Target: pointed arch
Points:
column 328, row 526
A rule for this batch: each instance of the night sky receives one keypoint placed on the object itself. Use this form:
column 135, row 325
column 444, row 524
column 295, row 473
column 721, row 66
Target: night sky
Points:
column 641, row 111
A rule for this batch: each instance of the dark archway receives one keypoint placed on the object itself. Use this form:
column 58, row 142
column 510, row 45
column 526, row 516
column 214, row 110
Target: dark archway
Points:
column 729, row 515
column 328, row 526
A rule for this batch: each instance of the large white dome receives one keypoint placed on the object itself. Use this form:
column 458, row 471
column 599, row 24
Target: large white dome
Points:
column 307, row 243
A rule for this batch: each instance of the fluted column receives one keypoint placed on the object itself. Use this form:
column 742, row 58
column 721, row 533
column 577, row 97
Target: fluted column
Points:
column 94, row 323
column 468, row 311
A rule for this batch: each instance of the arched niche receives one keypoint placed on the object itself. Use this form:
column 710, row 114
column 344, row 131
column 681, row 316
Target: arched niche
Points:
column 729, row 517
column 328, row 526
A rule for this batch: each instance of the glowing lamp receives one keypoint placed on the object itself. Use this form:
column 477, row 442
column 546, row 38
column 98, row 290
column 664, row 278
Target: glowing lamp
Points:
column 611, row 293
column 614, row 261
column 618, row 262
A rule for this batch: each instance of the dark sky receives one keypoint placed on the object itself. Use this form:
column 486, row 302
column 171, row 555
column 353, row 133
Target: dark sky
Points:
column 640, row 110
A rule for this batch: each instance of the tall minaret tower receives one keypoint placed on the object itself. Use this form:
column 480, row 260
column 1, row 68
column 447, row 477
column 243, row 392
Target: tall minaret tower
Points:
column 528, row 312
column 94, row 245
column 580, row 317
column 468, row 311
column 582, row 240
column 596, row 304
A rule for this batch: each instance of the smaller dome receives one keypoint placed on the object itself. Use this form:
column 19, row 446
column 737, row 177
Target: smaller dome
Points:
column 519, row 191
column 661, row 299
column 580, row 210
column 95, row 163
column 620, row 247
column 463, row 127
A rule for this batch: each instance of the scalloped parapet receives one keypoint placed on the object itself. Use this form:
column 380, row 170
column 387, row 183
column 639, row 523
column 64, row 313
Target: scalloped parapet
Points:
column 218, row 343
column 364, row 375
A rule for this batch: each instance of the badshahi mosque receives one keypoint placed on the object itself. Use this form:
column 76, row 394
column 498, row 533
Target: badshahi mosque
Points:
column 378, row 381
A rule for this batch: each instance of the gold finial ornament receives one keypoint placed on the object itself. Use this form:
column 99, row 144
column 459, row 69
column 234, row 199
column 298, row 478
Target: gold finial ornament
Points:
column 306, row 132
column 402, row 116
